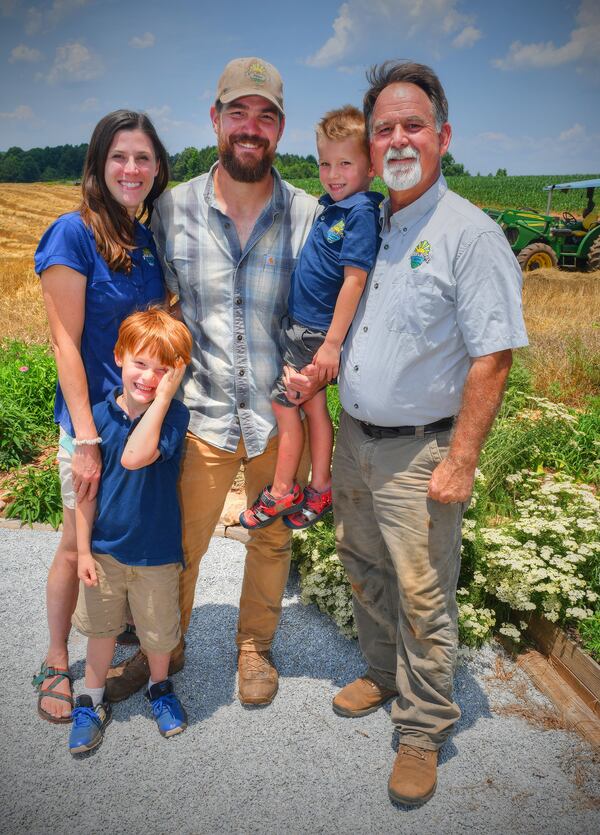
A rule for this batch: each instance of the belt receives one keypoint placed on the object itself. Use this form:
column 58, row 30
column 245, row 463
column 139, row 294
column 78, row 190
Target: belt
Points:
column 379, row 432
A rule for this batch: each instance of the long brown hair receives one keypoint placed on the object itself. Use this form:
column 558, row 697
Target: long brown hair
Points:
column 112, row 227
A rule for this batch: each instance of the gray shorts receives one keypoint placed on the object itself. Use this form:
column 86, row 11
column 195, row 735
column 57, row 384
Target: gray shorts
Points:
column 299, row 344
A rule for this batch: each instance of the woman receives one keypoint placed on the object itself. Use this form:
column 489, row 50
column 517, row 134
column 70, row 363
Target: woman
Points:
column 97, row 265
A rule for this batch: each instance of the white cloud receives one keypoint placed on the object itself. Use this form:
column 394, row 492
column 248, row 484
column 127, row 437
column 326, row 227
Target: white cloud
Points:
column 576, row 133
column 24, row 53
column 74, row 62
column 206, row 94
column 143, row 41
column 161, row 116
column 22, row 113
column 466, row 38
column 581, row 46
column 38, row 19
column 358, row 19
column 86, row 105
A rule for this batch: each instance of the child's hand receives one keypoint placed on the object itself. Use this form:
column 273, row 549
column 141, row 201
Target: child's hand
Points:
column 171, row 380
column 86, row 570
column 327, row 361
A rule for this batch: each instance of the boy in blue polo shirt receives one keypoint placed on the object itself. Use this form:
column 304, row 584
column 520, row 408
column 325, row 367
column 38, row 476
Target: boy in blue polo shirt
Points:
column 326, row 287
column 129, row 538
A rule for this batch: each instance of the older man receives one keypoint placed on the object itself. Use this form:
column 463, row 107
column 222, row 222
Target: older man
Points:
column 424, row 370
column 228, row 240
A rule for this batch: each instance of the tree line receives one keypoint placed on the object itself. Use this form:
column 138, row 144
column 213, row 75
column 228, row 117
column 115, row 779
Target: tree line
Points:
column 65, row 162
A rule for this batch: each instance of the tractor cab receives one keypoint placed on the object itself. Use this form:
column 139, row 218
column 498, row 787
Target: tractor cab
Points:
column 546, row 240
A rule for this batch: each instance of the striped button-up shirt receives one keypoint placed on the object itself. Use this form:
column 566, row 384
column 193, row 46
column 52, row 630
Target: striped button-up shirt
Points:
column 232, row 300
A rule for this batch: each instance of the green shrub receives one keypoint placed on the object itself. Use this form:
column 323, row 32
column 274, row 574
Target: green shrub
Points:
column 34, row 495
column 589, row 632
column 18, row 438
column 28, row 382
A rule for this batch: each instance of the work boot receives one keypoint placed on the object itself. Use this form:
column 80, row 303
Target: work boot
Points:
column 126, row 678
column 414, row 776
column 361, row 697
column 257, row 678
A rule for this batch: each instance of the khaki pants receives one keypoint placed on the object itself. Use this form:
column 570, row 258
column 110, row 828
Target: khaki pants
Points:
column 207, row 474
column 401, row 551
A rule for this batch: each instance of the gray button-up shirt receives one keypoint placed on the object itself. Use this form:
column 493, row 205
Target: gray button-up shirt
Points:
column 233, row 301
column 446, row 287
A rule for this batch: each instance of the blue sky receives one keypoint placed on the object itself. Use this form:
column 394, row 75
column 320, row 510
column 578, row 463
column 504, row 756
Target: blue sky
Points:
column 522, row 78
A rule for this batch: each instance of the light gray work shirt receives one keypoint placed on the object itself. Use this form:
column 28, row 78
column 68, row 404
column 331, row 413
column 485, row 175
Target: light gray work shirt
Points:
column 232, row 301
column 446, row 287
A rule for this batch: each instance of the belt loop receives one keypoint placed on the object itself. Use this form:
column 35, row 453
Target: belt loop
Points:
column 419, row 431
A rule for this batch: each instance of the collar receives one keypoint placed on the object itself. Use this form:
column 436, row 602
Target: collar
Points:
column 353, row 200
column 417, row 209
column 276, row 204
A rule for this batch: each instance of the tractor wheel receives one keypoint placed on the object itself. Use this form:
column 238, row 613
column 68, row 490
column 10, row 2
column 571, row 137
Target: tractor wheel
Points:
column 537, row 256
column 593, row 259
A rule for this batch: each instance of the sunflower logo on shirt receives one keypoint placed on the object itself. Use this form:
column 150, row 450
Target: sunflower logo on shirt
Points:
column 336, row 232
column 148, row 256
column 420, row 254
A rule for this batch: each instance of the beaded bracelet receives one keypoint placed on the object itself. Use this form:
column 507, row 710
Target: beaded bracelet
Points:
column 87, row 441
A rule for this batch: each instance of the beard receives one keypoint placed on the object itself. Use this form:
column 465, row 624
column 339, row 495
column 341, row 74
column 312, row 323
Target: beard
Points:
column 242, row 167
column 404, row 176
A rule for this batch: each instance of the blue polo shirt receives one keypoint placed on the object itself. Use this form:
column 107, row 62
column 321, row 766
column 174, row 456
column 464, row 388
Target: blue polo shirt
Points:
column 109, row 298
column 346, row 234
column 138, row 521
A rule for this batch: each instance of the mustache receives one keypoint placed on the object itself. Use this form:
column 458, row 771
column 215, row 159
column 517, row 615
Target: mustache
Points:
column 402, row 153
column 248, row 137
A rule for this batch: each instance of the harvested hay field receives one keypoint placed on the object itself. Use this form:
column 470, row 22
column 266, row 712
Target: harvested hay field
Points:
column 25, row 212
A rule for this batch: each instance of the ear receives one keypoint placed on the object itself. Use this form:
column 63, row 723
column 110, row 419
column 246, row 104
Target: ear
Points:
column 118, row 360
column 281, row 127
column 445, row 137
column 157, row 168
column 214, row 118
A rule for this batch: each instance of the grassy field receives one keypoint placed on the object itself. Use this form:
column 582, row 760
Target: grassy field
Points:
column 562, row 310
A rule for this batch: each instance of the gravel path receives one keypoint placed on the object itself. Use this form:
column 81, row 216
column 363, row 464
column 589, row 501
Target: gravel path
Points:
column 293, row 767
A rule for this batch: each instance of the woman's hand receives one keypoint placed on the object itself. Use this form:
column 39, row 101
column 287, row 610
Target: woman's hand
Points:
column 86, row 466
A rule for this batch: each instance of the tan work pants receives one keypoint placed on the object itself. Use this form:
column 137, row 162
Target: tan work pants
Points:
column 207, row 474
column 401, row 551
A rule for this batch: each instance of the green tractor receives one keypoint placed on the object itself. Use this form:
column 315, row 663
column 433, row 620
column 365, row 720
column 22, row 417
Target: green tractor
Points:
column 544, row 240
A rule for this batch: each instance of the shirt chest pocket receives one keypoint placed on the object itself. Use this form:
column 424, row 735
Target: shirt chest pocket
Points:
column 410, row 302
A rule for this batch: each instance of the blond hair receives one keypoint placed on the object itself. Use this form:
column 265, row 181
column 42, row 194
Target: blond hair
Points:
column 344, row 123
column 156, row 331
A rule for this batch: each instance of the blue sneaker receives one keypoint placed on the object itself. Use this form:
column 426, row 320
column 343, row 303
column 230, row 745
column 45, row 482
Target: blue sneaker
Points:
column 168, row 711
column 88, row 726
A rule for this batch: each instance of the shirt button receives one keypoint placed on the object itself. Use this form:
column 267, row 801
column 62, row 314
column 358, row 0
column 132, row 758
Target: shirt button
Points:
column 239, row 337
column 386, row 246
column 376, row 285
column 242, row 405
column 365, row 329
column 356, row 405
column 241, row 372
column 404, row 228
column 238, row 300
column 356, row 367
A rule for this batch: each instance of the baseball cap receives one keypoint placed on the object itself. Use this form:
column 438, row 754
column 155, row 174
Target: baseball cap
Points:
column 250, row 77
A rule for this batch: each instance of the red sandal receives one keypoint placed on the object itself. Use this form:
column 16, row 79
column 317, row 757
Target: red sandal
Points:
column 267, row 508
column 316, row 505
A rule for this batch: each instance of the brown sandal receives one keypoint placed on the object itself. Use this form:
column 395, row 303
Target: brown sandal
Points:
column 59, row 674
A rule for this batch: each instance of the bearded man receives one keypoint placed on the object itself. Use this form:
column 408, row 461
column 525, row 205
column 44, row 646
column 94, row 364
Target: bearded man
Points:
column 422, row 376
column 228, row 241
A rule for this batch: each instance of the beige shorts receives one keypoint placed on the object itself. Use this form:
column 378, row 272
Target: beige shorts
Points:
column 65, row 458
column 152, row 592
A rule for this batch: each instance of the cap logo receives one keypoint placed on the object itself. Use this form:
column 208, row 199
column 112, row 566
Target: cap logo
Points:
column 257, row 72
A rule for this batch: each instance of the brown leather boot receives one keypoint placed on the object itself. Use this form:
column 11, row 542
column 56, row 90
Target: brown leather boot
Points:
column 126, row 678
column 257, row 678
column 361, row 697
column 414, row 776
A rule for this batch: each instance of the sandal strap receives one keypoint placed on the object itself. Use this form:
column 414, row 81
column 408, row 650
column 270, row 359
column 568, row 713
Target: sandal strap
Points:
column 49, row 672
column 48, row 694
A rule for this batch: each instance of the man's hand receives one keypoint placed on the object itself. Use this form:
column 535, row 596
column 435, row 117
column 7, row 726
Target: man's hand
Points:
column 86, row 569
column 171, row 381
column 451, row 481
column 86, row 466
column 304, row 383
column 327, row 362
